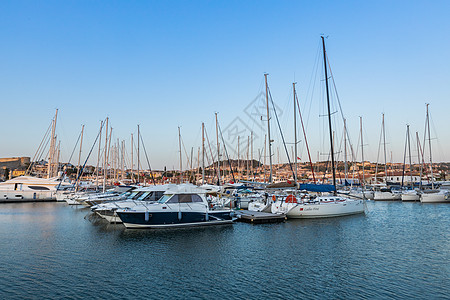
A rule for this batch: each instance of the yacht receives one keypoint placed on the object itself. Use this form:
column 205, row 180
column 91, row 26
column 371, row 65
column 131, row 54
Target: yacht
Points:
column 186, row 205
column 30, row 189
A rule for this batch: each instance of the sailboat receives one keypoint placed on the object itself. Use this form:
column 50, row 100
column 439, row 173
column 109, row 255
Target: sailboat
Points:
column 433, row 195
column 331, row 205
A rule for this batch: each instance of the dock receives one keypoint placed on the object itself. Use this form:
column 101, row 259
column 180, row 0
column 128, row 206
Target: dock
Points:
column 257, row 217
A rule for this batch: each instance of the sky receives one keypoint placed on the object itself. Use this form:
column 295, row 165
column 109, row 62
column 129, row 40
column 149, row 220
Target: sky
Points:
column 170, row 64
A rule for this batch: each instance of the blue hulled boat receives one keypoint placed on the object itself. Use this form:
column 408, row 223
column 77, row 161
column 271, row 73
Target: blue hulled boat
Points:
column 185, row 205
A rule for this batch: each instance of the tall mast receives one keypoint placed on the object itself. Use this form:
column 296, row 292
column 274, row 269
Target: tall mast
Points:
column 51, row 152
column 251, row 155
column 420, row 157
column 239, row 158
column 105, row 155
column 410, row 160
column 429, row 145
column 203, row 153
column 295, row 136
column 138, row 157
column 345, row 152
column 329, row 113
column 218, row 150
column 132, row 162
column 181, row 163
column 268, row 128
column 122, row 158
column 384, row 147
column 98, row 153
column 79, row 154
column 362, row 152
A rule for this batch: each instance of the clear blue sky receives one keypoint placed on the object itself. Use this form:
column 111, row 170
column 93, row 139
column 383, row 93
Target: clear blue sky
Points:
column 164, row 64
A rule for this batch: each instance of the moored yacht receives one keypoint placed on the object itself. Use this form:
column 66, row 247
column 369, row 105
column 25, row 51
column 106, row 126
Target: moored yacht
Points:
column 30, row 189
column 186, row 205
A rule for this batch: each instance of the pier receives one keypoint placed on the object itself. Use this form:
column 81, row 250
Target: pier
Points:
column 257, row 217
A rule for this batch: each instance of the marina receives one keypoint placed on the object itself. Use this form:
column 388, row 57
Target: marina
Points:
column 60, row 251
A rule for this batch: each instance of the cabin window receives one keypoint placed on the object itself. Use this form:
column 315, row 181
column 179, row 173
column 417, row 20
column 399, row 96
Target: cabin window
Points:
column 148, row 196
column 39, row 188
column 196, row 198
column 185, row 198
column 174, row 199
column 138, row 194
column 143, row 196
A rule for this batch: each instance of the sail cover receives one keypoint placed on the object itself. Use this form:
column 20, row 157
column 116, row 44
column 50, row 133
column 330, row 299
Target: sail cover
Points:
column 317, row 187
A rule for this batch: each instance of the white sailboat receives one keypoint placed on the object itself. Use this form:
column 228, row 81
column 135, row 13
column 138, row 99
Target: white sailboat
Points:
column 433, row 195
column 324, row 205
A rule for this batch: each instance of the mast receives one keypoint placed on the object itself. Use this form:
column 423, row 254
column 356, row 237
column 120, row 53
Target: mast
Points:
column 105, row 154
column 362, row 153
column 239, row 158
column 51, row 152
column 410, row 160
column 295, row 136
column 132, row 162
column 98, row 153
column 429, row 145
column 122, row 158
column 218, row 151
column 420, row 159
column 79, row 154
column 251, row 155
column 345, row 152
column 203, row 153
column 268, row 128
column 138, row 157
column 181, row 164
column 248, row 149
column 329, row 113
column 384, row 147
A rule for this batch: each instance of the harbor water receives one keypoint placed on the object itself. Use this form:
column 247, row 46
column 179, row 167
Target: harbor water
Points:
column 396, row 251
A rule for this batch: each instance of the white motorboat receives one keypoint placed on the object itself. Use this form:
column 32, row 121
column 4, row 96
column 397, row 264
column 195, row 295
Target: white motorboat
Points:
column 184, row 206
column 30, row 189
column 435, row 196
column 410, row 195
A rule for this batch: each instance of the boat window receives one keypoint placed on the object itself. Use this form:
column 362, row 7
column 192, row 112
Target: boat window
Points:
column 137, row 195
column 148, row 196
column 164, row 198
column 39, row 188
column 143, row 196
column 196, row 198
column 174, row 199
column 158, row 195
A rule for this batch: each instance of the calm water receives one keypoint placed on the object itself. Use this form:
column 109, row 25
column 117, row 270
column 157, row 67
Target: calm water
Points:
column 397, row 250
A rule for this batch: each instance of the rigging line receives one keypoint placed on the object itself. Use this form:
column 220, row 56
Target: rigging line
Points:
column 306, row 140
column 339, row 102
column 212, row 156
column 33, row 161
column 226, row 152
column 378, row 155
column 281, row 133
column 74, row 147
column 148, row 161
column 82, row 169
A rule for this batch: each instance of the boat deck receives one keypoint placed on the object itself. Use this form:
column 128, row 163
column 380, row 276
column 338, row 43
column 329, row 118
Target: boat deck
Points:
column 256, row 217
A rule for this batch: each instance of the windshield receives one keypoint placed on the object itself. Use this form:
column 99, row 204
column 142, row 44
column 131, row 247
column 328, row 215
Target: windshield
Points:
column 164, row 198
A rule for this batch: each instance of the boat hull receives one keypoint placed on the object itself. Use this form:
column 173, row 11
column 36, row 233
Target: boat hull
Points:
column 435, row 198
column 132, row 219
column 320, row 210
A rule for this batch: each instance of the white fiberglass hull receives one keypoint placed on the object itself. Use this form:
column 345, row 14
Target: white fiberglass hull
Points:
column 437, row 197
column 386, row 196
column 259, row 206
column 26, row 196
column 319, row 209
column 410, row 197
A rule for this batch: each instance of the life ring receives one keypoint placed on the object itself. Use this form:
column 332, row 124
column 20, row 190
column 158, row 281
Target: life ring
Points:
column 291, row 199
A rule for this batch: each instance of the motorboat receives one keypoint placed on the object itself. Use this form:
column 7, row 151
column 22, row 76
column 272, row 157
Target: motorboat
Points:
column 184, row 206
column 141, row 196
column 435, row 196
column 30, row 189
